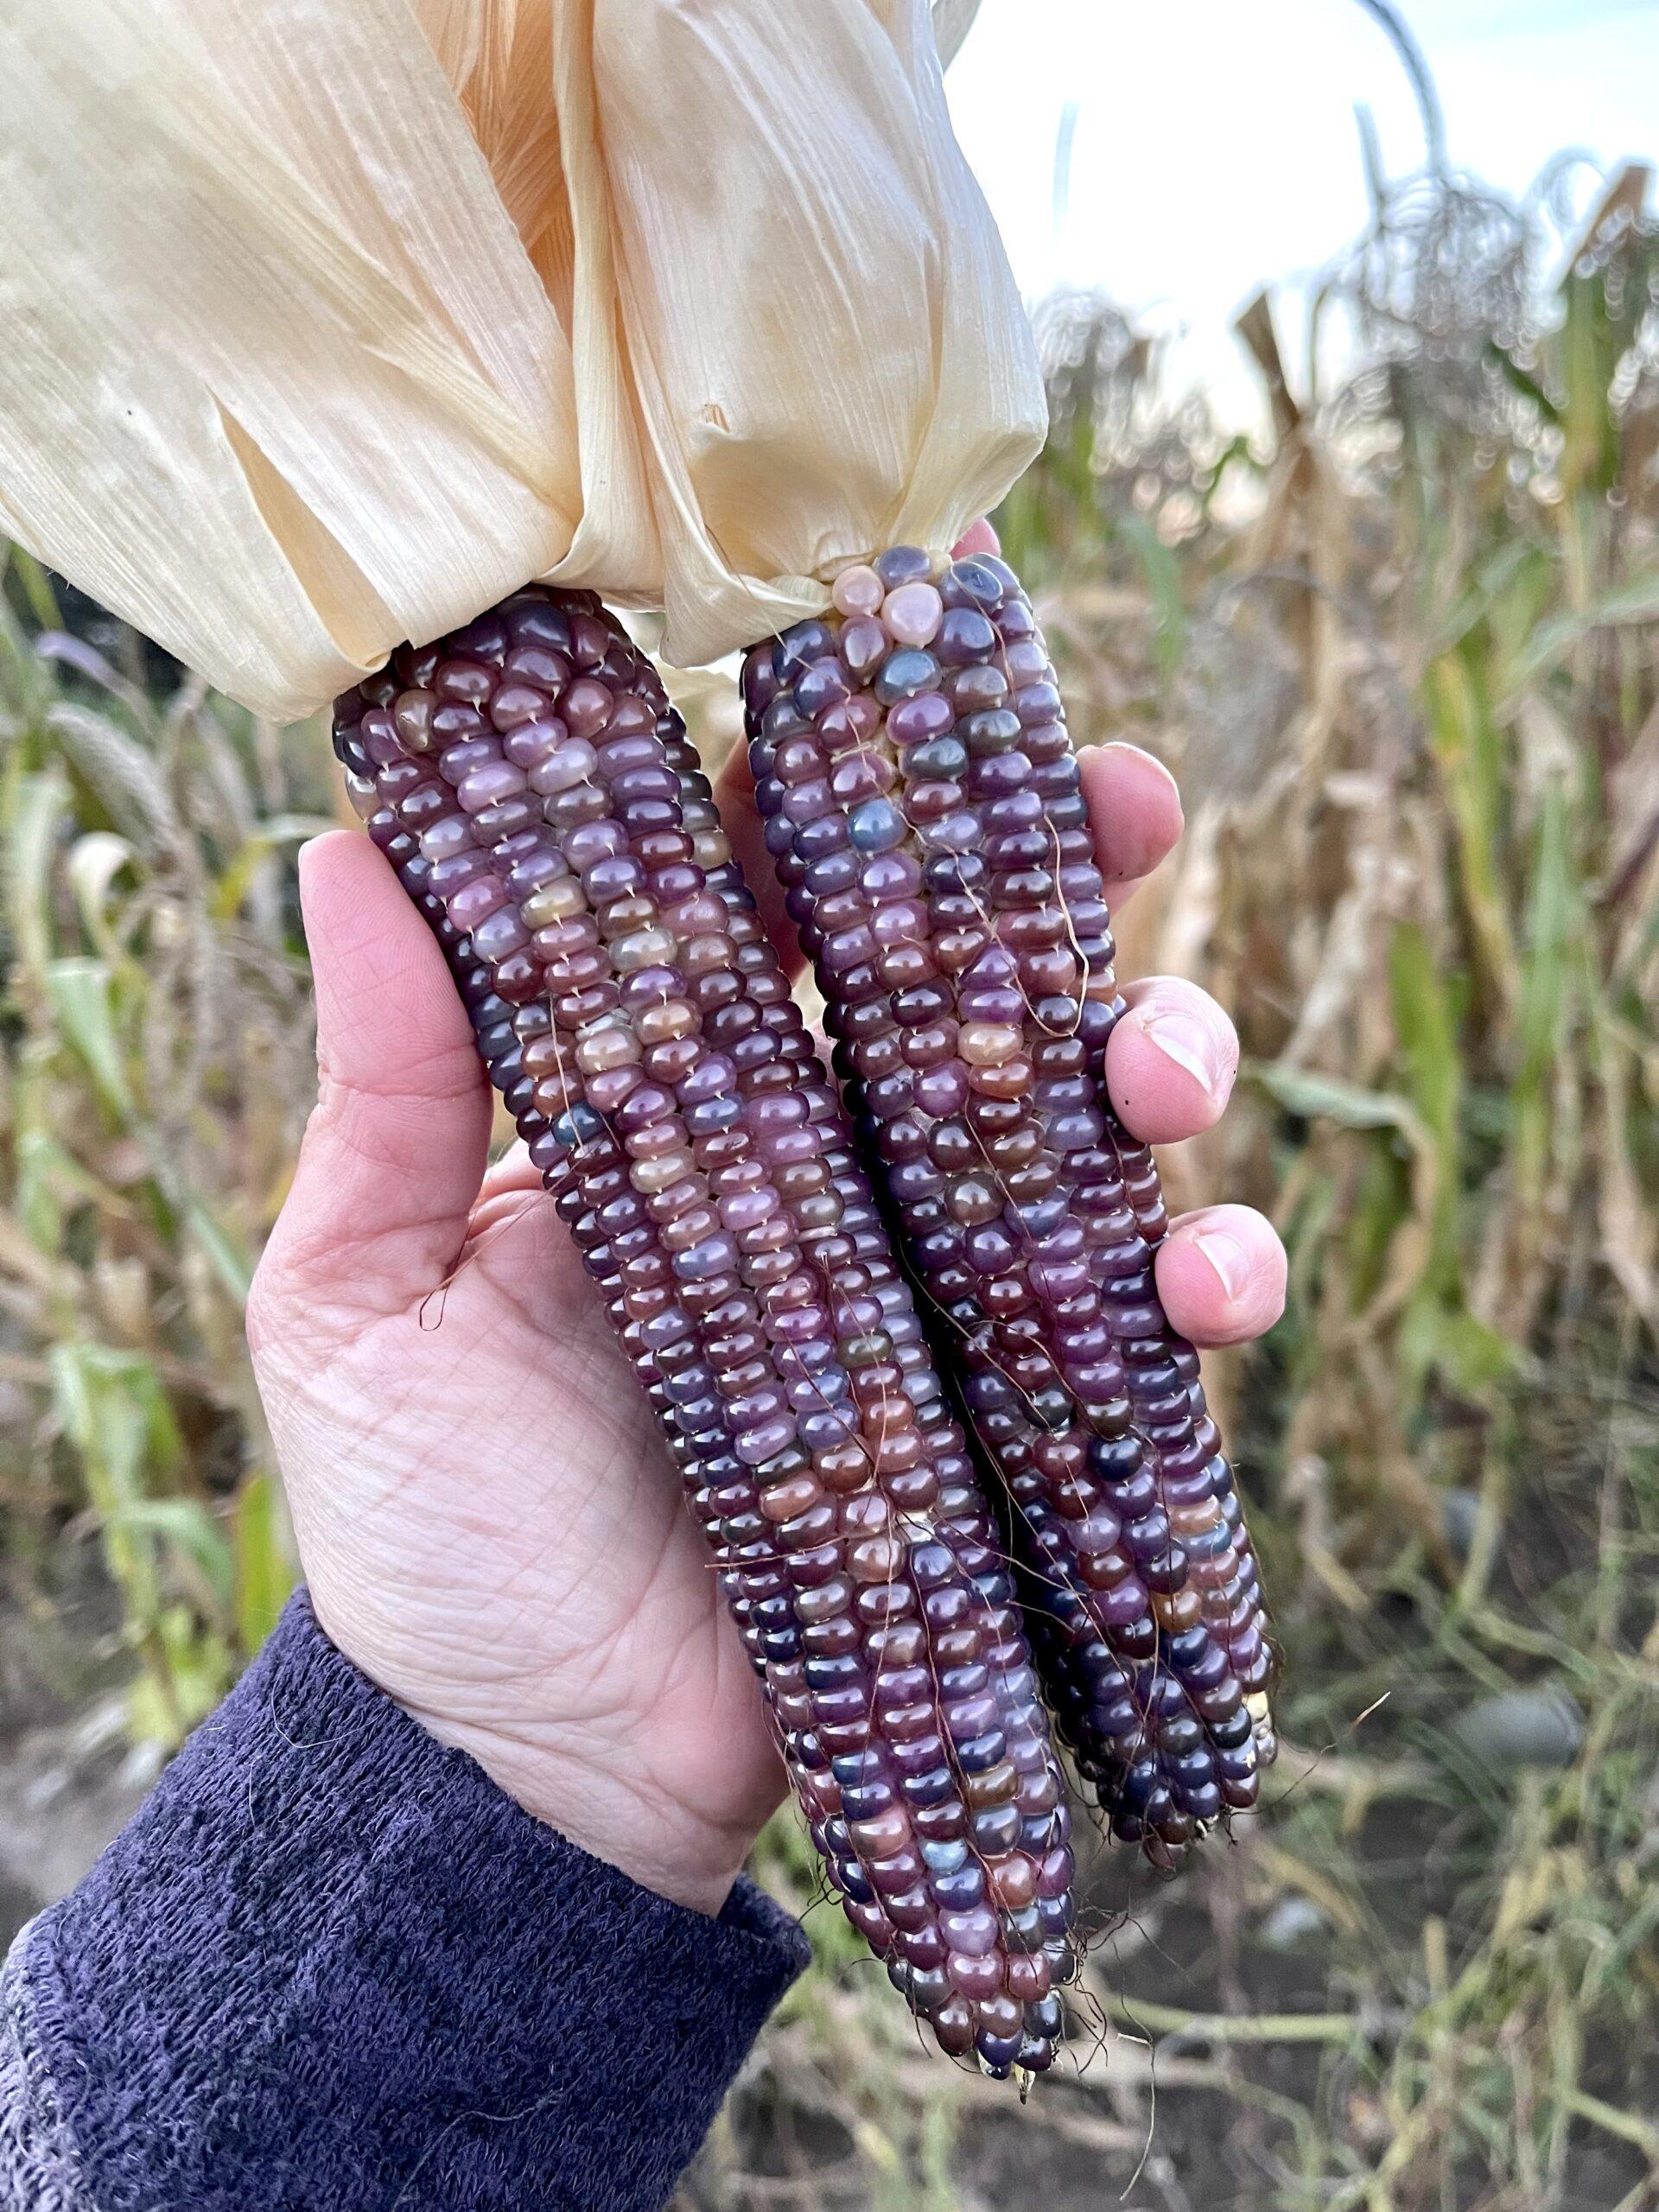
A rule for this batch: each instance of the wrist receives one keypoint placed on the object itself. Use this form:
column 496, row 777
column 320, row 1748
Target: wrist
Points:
column 662, row 1845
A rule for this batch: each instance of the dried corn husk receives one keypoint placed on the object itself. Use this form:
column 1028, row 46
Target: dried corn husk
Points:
column 329, row 321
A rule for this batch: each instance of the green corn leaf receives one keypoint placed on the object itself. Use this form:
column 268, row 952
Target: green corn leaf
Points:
column 1550, row 907
column 191, row 1670
column 1522, row 381
column 115, row 1412
column 35, row 809
column 1542, row 1015
column 1430, row 1050
column 1587, row 350
column 113, row 1409
column 1465, row 745
column 1314, row 1096
column 229, row 1258
column 185, row 1526
column 232, row 887
column 264, row 1571
column 42, row 598
column 1634, row 603
column 95, row 862
column 1163, row 577
column 1473, row 1357
column 25, row 685
column 81, row 992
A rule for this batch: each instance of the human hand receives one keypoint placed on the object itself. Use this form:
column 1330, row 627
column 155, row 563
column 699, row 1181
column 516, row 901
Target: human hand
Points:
column 490, row 1526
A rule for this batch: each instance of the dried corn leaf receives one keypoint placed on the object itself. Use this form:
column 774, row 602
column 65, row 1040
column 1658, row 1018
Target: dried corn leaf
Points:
column 327, row 324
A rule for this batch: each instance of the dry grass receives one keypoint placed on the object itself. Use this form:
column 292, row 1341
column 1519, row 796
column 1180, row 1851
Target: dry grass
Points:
column 1407, row 665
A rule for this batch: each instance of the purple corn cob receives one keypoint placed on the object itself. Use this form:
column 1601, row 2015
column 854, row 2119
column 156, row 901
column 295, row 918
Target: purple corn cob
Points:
column 922, row 804
column 537, row 795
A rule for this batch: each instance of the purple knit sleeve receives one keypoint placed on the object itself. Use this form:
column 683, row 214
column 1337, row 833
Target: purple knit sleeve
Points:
column 330, row 1964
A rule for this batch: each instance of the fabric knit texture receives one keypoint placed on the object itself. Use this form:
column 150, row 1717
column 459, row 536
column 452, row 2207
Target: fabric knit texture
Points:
column 329, row 1967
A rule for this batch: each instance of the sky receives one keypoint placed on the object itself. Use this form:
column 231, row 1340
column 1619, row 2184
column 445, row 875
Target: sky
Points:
column 1215, row 146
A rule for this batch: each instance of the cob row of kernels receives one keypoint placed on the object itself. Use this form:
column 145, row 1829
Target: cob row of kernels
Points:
column 717, row 1483
column 923, row 807
column 718, row 1486
column 644, row 1037
column 973, row 1526
column 699, row 1443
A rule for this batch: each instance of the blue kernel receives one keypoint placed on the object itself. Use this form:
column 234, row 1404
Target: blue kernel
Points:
column 1043, row 1215
column 854, row 1881
column 702, row 1260
column 902, row 564
column 710, row 1116
column 781, row 721
column 956, row 833
column 969, row 582
column 578, row 1124
column 938, row 757
column 864, row 1801
column 823, row 684
column 813, row 840
column 903, row 674
column 959, row 1892
column 802, row 642
column 932, row 1566
column 876, row 826
column 980, row 1753
column 936, row 1787
column 997, row 1829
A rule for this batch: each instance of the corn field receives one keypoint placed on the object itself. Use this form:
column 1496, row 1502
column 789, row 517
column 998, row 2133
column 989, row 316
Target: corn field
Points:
column 1403, row 656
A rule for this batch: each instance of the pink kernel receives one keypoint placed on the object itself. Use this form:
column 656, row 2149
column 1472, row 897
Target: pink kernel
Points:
column 857, row 591
column 911, row 615
column 572, row 764
column 531, row 742
column 474, row 902
column 488, row 787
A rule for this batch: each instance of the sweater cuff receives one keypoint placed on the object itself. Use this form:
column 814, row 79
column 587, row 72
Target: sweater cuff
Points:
column 329, row 1961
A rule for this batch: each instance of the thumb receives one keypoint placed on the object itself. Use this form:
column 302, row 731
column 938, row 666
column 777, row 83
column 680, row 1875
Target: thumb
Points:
column 396, row 1148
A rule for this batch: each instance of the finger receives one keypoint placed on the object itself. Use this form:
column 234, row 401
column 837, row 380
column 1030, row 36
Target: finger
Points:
column 1221, row 1275
column 1135, row 809
column 512, row 1172
column 1171, row 1060
column 978, row 538
column 509, row 1183
column 395, row 1150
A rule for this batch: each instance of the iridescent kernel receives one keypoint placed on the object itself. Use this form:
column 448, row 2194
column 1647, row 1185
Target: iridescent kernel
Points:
column 857, row 590
column 983, row 1044
column 911, row 613
column 903, row 674
column 902, row 564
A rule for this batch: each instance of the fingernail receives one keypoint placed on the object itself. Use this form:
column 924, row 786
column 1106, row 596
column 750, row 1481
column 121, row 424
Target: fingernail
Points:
column 1228, row 1256
column 1189, row 1045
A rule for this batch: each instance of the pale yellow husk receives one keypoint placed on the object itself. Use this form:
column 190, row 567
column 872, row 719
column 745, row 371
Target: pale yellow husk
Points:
column 326, row 323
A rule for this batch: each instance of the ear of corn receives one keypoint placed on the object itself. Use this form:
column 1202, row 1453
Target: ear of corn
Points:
column 923, row 805
column 537, row 794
